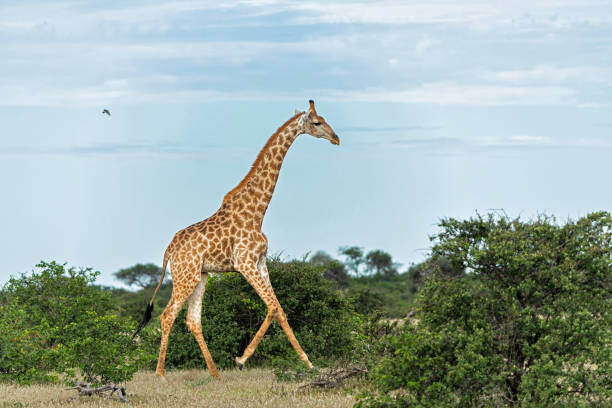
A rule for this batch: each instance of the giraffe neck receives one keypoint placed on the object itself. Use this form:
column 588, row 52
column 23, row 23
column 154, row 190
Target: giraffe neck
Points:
column 253, row 194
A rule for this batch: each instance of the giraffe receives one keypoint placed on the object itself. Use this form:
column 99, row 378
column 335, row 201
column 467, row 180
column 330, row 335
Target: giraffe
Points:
column 231, row 240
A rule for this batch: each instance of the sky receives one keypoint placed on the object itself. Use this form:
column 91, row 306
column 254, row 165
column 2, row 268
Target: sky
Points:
column 443, row 109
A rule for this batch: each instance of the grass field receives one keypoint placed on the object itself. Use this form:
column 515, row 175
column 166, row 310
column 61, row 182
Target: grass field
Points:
column 185, row 388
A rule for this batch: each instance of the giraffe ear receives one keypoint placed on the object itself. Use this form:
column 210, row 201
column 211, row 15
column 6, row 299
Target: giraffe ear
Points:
column 312, row 108
column 304, row 117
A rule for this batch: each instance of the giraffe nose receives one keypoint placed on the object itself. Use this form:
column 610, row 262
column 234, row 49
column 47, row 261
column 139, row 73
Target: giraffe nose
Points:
column 335, row 139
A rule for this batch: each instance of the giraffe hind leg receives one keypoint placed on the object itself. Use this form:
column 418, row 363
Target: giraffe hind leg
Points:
column 194, row 322
column 181, row 290
column 167, row 321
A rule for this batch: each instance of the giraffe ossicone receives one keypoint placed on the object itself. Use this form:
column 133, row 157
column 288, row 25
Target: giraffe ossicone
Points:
column 231, row 240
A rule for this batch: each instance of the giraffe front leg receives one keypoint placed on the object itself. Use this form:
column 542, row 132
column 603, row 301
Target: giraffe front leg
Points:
column 248, row 352
column 282, row 319
column 250, row 271
column 258, row 278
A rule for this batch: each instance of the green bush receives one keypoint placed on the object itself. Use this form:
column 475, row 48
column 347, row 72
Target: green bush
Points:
column 529, row 325
column 393, row 296
column 55, row 322
column 24, row 353
column 321, row 318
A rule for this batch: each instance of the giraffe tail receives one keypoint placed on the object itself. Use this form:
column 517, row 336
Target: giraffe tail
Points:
column 148, row 312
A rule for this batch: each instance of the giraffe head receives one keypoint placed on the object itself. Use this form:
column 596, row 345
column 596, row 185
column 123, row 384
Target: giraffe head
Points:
column 315, row 125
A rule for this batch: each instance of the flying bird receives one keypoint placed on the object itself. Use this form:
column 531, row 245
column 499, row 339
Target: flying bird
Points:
column 106, row 111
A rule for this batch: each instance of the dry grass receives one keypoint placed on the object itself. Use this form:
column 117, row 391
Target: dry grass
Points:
column 186, row 388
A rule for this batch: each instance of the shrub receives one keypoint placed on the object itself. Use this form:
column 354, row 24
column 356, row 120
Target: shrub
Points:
column 55, row 322
column 529, row 325
column 321, row 318
column 24, row 354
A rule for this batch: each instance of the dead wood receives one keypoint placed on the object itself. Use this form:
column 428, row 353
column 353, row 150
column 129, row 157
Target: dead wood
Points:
column 85, row 389
column 334, row 377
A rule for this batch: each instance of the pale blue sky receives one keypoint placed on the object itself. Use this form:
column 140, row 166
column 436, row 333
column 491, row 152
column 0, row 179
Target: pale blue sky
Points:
column 443, row 109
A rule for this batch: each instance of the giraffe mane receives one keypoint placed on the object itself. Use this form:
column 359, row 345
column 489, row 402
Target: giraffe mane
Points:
column 260, row 157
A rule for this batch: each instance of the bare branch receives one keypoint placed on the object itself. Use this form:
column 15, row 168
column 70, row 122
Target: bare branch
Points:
column 85, row 389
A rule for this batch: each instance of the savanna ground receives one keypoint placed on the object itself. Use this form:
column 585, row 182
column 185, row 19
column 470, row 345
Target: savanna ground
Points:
column 185, row 388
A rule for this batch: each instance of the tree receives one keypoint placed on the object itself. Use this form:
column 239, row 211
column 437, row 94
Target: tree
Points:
column 380, row 263
column 334, row 269
column 141, row 275
column 529, row 325
column 354, row 258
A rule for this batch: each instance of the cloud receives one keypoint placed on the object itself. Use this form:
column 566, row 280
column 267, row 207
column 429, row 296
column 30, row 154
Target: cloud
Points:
column 386, row 12
column 532, row 142
column 121, row 92
column 72, row 53
column 502, row 144
column 530, row 139
column 423, row 45
column 393, row 62
column 520, row 15
column 29, row 93
column 192, row 15
column 438, row 93
column 553, row 74
column 365, row 129
column 132, row 150
column 446, row 142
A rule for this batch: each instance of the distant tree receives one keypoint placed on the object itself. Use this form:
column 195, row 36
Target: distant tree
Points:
column 380, row 263
column 354, row 258
column 439, row 265
column 334, row 269
column 321, row 258
column 141, row 275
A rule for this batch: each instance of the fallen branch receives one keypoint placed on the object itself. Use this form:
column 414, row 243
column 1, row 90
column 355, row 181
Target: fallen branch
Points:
column 333, row 377
column 85, row 389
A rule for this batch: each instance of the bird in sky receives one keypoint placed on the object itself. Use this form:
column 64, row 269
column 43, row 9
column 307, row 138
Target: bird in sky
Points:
column 106, row 111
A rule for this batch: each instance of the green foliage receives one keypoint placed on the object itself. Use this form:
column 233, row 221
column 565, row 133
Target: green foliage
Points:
column 24, row 354
column 433, row 266
column 394, row 297
column 55, row 322
column 530, row 324
column 321, row 318
column 291, row 370
column 101, row 349
column 354, row 258
column 130, row 305
column 334, row 269
column 381, row 263
column 367, row 300
column 376, row 262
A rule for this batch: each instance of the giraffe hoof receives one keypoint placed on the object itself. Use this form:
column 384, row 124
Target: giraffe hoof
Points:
column 239, row 363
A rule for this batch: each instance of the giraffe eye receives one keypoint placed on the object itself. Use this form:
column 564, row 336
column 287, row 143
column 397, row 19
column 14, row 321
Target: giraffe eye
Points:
column 317, row 123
